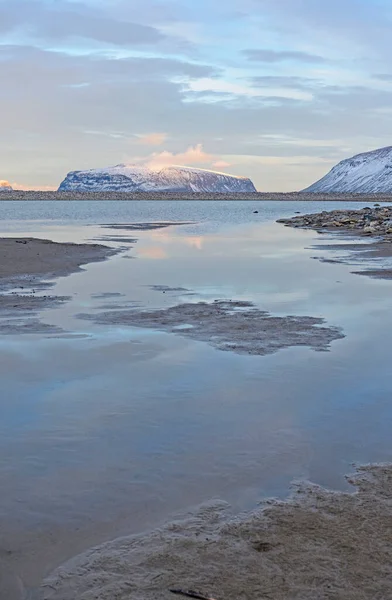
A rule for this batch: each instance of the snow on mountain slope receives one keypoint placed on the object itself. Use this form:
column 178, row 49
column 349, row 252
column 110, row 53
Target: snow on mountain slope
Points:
column 133, row 178
column 370, row 172
column 5, row 186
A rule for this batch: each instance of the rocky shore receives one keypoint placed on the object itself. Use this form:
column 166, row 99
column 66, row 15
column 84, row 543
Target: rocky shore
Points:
column 171, row 196
column 375, row 221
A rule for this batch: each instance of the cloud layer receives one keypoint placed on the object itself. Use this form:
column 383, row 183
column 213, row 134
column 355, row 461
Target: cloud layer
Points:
column 278, row 90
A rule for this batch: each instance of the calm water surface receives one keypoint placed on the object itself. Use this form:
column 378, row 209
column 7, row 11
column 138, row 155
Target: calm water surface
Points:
column 111, row 430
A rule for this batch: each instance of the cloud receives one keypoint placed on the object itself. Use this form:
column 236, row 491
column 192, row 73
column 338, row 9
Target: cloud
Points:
column 62, row 21
column 220, row 86
column 17, row 186
column 53, row 69
column 102, row 79
column 285, row 81
column 152, row 139
column 356, row 26
column 37, row 188
column 387, row 77
column 274, row 56
column 221, row 164
column 194, row 155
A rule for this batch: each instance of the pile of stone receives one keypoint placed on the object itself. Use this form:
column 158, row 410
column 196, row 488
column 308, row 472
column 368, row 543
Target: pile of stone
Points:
column 367, row 221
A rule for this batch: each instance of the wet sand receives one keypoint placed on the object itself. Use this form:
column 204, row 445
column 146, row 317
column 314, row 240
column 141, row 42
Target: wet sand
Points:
column 232, row 326
column 27, row 267
column 318, row 544
column 30, row 258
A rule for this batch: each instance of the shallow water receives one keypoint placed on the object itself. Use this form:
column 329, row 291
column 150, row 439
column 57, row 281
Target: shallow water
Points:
column 109, row 430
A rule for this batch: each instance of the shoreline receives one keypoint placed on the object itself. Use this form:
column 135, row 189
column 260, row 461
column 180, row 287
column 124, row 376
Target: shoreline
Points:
column 29, row 267
column 177, row 555
column 316, row 542
column 372, row 224
column 196, row 196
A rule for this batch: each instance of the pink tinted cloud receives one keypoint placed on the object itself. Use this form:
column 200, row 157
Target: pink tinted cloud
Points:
column 32, row 188
column 221, row 164
column 194, row 155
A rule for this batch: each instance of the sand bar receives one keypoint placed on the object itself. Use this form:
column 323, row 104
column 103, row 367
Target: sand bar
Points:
column 229, row 325
column 27, row 266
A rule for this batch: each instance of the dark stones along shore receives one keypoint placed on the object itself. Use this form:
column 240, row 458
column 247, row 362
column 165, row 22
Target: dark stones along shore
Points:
column 367, row 221
column 374, row 223
column 170, row 196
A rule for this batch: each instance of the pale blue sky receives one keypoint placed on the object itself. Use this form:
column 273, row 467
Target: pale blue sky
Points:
column 278, row 90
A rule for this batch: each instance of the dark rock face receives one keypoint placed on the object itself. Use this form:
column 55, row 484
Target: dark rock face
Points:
column 91, row 182
column 134, row 178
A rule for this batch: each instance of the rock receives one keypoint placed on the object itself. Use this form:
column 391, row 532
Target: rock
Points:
column 369, row 221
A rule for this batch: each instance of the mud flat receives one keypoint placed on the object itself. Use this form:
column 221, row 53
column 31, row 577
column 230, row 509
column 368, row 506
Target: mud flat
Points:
column 170, row 196
column 27, row 267
column 372, row 224
column 235, row 326
column 318, row 544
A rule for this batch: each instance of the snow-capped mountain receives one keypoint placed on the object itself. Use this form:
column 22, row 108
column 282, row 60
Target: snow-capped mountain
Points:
column 370, row 172
column 136, row 178
column 5, row 186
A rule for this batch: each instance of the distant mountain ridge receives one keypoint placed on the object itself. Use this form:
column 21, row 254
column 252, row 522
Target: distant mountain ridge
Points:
column 133, row 178
column 369, row 172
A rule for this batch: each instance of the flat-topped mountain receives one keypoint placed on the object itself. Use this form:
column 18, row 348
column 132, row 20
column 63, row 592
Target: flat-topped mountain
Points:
column 134, row 178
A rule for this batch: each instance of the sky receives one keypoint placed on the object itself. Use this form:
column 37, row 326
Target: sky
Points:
column 276, row 90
